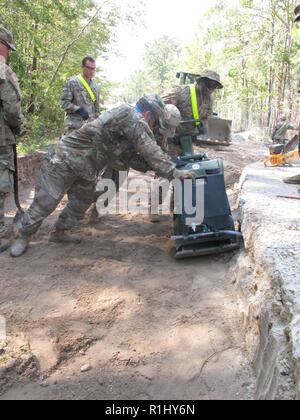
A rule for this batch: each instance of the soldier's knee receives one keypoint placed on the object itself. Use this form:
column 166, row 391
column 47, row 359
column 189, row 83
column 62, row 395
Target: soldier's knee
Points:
column 44, row 201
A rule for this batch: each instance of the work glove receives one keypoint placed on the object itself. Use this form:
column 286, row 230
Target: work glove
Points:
column 83, row 113
column 184, row 175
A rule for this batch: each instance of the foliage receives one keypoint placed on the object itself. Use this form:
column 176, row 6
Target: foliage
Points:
column 161, row 58
column 250, row 45
column 160, row 66
column 52, row 37
column 252, row 49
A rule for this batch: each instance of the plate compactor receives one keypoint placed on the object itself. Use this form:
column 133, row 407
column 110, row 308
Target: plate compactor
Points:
column 216, row 233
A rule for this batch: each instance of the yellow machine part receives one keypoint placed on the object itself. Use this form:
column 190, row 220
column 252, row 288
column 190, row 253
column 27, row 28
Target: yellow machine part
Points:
column 282, row 159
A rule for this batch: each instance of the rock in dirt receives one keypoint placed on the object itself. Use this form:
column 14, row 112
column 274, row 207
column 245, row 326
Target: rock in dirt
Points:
column 86, row 368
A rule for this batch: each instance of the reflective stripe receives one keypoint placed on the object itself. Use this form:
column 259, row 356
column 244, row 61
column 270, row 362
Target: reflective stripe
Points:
column 88, row 88
column 194, row 102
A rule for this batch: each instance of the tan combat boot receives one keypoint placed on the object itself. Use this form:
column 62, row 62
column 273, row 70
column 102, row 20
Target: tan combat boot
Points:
column 295, row 180
column 61, row 237
column 20, row 246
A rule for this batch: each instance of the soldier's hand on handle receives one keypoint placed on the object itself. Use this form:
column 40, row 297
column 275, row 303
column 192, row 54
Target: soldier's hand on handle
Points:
column 177, row 174
column 83, row 113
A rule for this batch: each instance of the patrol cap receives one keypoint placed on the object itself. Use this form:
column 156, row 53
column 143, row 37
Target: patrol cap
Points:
column 212, row 75
column 6, row 38
column 297, row 13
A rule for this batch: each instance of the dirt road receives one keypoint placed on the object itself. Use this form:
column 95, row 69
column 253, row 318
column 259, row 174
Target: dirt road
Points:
column 118, row 318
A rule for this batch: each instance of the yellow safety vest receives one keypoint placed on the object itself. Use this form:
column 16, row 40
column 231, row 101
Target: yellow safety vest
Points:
column 88, row 88
column 194, row 101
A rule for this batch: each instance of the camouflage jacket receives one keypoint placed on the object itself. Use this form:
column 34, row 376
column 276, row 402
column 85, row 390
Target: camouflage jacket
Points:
column 115, row 138
column 11, row 118
column 75, row 96
column 180, row 96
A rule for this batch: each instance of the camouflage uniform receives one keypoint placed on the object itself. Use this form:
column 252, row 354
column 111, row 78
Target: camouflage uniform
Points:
column 180, row 96
column 10, row 123
column 120, row 137
column 75, row 96
column 280, row 131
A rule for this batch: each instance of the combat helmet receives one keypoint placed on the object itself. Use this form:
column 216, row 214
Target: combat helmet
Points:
column 164, row 117
column 6, row 37
column 156, row 105
column 212, row 75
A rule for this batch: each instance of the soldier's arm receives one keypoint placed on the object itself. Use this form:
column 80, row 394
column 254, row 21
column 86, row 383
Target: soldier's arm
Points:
column 67, row 98
column 11, row 104
column 143, row 141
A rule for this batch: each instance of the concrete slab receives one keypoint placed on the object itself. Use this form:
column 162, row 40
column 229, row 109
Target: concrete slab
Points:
column 268, row 277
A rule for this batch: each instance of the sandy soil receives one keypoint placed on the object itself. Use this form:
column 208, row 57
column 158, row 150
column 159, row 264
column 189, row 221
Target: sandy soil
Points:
column 116, row 317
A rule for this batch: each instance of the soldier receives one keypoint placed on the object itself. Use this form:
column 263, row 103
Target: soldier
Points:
column 80, row 97
column 80, row 100
column 10, row 121
column 193, row 102
column 295, row 179
column 118, row 137
column 279, row 136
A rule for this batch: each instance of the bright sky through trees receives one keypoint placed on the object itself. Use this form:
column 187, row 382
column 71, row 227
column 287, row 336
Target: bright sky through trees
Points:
column 175, row 18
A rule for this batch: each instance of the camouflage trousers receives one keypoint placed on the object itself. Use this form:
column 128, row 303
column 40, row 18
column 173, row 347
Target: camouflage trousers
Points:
column 108, row 172
column 135, row 162
column 6, row 177
column 54, row 180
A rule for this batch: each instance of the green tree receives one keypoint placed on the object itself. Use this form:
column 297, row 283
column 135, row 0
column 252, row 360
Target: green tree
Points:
column 160, row 64
column 161, row 61
column 52, row 37
column 252, row 50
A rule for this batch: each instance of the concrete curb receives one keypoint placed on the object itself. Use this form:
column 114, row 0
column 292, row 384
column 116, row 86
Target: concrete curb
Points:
column 268, row 279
